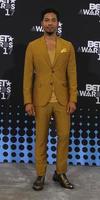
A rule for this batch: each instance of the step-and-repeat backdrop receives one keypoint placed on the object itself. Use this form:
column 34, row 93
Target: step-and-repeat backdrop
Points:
column 19, row 24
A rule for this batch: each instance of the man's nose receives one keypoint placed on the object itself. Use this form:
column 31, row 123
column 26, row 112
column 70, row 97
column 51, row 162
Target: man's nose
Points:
column 50, row 22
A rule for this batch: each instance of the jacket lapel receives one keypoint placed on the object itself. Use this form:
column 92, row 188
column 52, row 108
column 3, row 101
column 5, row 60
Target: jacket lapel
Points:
column 44, row 51
column 58, row 49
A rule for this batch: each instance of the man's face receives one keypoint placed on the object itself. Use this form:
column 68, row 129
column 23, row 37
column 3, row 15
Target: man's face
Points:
column 50, row 23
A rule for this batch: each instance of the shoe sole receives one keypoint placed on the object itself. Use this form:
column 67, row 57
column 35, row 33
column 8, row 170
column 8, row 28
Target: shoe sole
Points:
column 37, row 189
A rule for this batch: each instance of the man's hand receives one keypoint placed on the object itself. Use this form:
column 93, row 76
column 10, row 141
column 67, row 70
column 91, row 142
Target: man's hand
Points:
column 71, row 107
column 29, row 108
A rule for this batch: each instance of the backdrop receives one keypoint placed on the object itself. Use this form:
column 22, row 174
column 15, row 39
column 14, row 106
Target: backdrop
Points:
column 19, row 24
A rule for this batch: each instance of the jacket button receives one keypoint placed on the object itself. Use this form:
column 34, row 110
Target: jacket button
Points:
column 51, row 83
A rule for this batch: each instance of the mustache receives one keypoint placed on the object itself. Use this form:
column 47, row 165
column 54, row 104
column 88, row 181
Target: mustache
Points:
column 50, row 27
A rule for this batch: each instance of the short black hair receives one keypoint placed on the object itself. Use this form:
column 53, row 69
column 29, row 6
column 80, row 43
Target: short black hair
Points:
column 50, row 10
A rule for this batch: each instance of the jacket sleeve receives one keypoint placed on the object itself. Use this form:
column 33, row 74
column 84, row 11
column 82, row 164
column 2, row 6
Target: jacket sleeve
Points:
column 28, row 75
column 72, row 75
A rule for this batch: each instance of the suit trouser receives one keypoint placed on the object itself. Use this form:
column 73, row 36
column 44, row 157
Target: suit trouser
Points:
column 62, row 118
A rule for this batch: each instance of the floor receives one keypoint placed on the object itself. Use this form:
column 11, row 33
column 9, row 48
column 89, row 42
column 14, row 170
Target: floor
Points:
column 16, row 183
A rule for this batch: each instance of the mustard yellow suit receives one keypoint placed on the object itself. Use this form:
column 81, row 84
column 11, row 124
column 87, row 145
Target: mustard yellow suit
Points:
column 61, row 75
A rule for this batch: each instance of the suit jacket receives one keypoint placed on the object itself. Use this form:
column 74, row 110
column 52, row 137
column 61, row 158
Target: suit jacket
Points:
column 61, row 75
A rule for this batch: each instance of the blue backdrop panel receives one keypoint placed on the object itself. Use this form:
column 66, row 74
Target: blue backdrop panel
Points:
column 17, row 137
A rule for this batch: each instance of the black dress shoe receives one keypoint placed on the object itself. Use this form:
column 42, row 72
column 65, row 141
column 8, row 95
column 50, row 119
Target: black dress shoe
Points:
column 63, row 180
column 39, row 183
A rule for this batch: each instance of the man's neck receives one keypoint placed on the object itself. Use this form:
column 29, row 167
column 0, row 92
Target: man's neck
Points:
column 51, row 41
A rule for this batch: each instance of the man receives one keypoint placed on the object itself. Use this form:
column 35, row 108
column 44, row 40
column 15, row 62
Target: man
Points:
column 54, row 91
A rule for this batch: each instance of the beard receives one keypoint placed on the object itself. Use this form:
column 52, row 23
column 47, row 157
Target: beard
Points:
column 49, row 33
